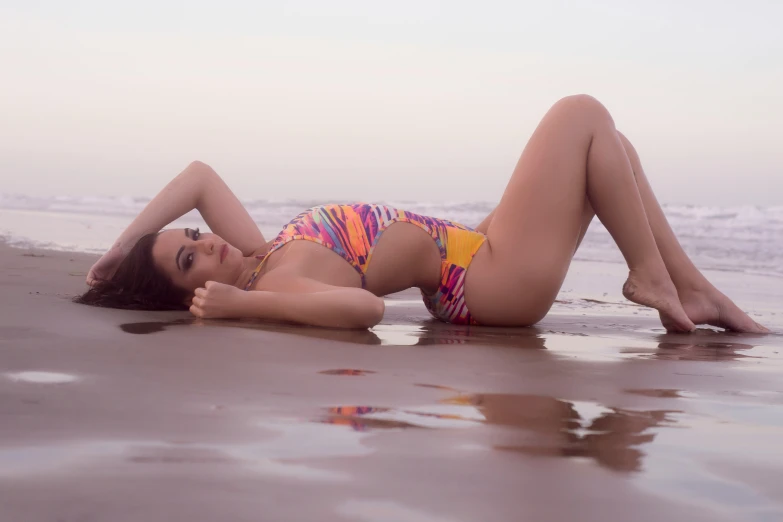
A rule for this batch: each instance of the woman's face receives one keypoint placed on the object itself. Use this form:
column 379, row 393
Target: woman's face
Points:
column 191, row 258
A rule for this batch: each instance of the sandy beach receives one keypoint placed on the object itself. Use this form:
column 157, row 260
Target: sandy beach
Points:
column 595, row 414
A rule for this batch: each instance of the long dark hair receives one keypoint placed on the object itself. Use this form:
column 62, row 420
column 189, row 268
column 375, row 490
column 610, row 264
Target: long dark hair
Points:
column 138, row 284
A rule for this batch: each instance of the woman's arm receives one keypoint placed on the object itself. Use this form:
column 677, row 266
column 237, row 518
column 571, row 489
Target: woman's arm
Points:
column 197, row 187
column 339, row 308
column 309, row 302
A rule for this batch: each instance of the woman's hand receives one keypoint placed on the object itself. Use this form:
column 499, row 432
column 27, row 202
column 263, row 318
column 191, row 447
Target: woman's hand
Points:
column 105, row 268
column 217, row 300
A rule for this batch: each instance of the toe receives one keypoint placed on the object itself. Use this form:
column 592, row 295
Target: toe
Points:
column 762, row 328
column 686, row 324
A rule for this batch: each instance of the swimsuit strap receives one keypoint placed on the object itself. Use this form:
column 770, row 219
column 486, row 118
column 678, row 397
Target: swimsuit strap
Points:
column 257, row 271
column 277, row 243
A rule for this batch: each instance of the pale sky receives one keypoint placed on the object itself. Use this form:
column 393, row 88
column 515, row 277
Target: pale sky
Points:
column 406, row 100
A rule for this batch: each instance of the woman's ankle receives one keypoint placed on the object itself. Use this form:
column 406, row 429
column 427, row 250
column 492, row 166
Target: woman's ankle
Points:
column 704, row 294
column 694, row 286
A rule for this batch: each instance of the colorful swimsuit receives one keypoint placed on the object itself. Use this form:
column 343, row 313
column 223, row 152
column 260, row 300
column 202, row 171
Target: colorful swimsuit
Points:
column 352, row 231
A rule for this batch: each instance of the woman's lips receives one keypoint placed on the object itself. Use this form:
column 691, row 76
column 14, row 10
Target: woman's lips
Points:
column 223, row 252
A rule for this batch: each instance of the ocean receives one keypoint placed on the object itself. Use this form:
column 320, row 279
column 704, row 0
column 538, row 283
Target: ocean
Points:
column 746, row 239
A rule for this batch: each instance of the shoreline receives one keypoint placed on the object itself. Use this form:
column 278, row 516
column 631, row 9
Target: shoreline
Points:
column 123, row 415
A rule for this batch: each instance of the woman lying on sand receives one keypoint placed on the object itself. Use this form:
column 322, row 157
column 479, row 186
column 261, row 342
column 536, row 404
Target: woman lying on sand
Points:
column 506, row 272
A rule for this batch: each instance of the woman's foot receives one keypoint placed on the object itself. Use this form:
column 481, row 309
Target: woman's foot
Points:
column 713, row 308
column 656, row 290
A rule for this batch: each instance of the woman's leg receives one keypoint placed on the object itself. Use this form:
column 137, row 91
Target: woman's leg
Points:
column 587, row 217
column 575, row 151
column 703, row 303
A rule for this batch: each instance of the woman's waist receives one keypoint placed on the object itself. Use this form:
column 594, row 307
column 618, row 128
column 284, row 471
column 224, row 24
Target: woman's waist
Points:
column 358, row 223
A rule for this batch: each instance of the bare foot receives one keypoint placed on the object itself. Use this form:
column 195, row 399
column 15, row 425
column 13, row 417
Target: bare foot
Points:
column 714, row 308
column 658, row 292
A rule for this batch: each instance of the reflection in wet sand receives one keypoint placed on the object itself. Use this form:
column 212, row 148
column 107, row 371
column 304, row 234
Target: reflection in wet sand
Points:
column 331, row 334
column 431, row 333
column 439, row 333
column 347, row 371
column 537, row 425
column 757, row 357
column 601, row 349
column 364, row 418
column 546, row 426
column 701, row 351
column 150, row 327
column 658, row 393
column 437, row 387
column 594, row 348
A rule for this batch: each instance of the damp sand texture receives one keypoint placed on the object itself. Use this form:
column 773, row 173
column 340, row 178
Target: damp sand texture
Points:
column 595, row 414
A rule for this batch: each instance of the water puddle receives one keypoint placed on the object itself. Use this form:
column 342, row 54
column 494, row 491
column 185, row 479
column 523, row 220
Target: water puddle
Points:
column 698, row 351
column 332, row 334
column 609, row 349
column 430, row 333
column 42, row 377
column 704, row 345
column 596, row 349
column 397, row 334
column 532, row 424
column 443, row 334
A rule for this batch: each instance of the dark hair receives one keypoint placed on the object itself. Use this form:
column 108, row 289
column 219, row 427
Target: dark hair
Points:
column 138, row 284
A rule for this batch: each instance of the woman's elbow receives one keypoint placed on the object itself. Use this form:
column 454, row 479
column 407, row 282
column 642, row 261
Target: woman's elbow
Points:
column 372, row 313
column 201, row 171
column 378, row 310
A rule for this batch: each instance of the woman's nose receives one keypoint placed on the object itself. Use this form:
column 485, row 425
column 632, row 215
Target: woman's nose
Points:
column 208, row 246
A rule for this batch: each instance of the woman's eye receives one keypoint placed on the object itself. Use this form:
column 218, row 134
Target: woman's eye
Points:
column 188, row 262
column 196, row 234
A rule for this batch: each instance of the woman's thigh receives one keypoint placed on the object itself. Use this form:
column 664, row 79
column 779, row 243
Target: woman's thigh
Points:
column 539, row 221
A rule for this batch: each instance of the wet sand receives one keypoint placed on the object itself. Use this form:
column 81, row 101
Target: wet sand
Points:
column 595, row 414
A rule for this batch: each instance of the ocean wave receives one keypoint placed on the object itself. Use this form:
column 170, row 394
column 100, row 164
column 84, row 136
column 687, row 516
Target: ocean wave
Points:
column 744, row 238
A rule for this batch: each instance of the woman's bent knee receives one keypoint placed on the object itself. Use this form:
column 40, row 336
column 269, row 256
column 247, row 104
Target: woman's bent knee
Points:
column 199, row 165
column 583, row 105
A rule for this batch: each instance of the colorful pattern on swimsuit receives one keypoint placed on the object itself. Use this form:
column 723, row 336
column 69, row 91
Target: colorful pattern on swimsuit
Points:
column 352, row 231
column 448, row 302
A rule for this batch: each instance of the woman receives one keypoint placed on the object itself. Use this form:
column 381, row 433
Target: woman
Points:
column 506, row 272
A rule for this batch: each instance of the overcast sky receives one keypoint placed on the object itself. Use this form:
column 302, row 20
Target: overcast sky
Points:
column 417, row 100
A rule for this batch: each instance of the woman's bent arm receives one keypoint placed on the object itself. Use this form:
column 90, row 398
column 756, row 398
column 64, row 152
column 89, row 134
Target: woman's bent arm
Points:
column 197, row 187
column 299, row 300
column 339, row 308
